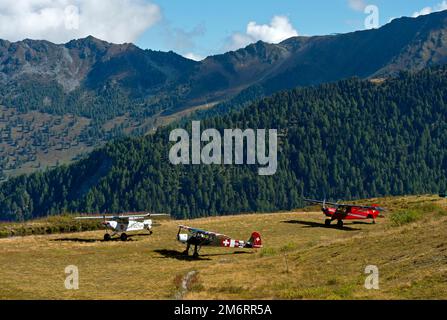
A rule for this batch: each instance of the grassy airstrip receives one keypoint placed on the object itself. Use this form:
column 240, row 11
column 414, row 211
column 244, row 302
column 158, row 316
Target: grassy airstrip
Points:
column 300, row 260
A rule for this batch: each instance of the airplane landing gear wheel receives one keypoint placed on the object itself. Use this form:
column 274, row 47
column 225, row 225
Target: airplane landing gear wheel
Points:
column 151, row 232
column 196, row 253
column 327, row 223
column 340, row 224
column 107, row 237
column 123, row 237
column 374, row 222
column 186, row 252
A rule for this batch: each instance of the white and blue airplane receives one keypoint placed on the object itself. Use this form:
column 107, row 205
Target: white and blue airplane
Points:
column 124, row 223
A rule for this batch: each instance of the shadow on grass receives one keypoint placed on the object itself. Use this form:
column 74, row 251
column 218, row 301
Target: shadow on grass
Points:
column 228, row 254
column 80, row 240
column 172, row 254
column 310, row 224
column 129, row 238
column 362, row 222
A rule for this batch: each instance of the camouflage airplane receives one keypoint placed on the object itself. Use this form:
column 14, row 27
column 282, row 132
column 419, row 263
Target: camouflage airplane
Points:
column 199, row 238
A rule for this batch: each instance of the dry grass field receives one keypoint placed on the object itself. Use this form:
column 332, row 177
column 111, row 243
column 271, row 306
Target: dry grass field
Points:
column 301, row 259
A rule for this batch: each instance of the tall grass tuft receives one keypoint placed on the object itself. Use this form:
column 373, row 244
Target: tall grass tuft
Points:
column 403, row 217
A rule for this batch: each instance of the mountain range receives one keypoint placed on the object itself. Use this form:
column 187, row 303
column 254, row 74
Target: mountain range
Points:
column 59, row 102
column 167, row 81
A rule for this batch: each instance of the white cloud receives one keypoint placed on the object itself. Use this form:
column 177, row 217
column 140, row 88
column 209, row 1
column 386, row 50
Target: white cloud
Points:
column 59, row 21
column 357, row 5
column 423, row 12
column 193, row 56
column 278, row 30
column 183, row 41
column 427, row 10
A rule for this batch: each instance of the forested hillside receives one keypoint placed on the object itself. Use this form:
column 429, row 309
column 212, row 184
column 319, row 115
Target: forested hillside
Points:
column 110, row 90
column 350, row 139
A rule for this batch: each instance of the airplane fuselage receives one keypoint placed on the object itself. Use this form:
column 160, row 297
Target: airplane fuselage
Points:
column 350, row 213
column 129, row 225
column 211, row 241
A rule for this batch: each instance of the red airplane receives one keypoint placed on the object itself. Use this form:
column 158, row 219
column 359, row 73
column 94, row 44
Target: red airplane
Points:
column 340, row 212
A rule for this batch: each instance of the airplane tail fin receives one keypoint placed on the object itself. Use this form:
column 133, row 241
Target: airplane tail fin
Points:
column 255, row 241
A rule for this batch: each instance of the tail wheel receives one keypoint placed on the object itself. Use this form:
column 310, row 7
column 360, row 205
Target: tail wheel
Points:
column 327, row 223
column 123, row 237
column 107, row 237
column 340, row 224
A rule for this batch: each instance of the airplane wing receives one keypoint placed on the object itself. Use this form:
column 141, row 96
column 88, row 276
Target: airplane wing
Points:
column 122, row 217
column 195, row 230
column 91, row 218
column 321, row 202
column 362, row 207
column 135, row 216
column 343, row 205
column 142, row 216
column 106, row 217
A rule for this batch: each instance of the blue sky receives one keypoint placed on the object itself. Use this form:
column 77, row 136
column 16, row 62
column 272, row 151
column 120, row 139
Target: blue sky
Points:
column 209, row 25
column 194, row 28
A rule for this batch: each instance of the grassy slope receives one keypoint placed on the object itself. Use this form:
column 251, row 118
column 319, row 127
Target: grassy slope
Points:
column 51, row 225
column 301, row 260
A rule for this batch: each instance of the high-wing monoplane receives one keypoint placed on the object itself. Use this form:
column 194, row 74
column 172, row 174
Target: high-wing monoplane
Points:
column 341, row 211
column 199, row 238
column 124, row 223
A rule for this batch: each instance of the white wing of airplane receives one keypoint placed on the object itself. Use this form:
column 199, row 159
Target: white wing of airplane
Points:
column 141, row 216
column 91, row 217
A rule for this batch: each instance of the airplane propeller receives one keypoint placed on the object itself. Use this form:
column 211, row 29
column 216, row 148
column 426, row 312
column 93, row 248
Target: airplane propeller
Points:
column 324, row 201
